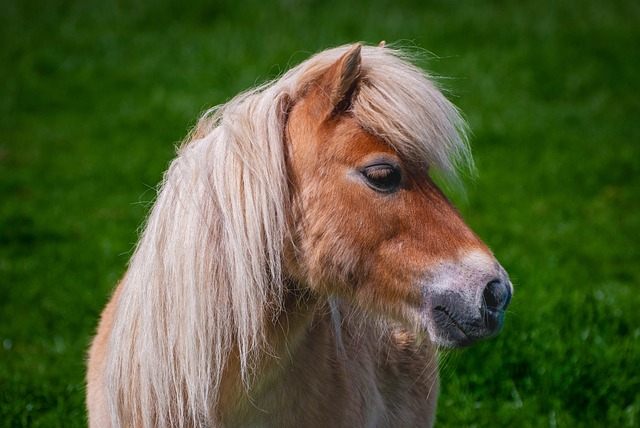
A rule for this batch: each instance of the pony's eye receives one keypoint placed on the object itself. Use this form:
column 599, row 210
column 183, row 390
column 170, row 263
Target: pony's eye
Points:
column 382, row 177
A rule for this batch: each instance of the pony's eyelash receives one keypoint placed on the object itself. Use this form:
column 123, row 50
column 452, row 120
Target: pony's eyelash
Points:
column 383, row 177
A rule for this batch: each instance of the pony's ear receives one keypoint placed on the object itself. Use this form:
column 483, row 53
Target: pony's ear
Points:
column 342, row 78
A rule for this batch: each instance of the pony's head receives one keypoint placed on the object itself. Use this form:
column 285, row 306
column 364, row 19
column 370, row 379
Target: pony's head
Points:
column 364, row 128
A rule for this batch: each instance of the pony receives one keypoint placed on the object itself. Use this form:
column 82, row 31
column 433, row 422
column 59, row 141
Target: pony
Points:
column 300, row 266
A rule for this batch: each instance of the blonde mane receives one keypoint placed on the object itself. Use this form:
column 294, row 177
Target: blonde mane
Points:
column 206, row 276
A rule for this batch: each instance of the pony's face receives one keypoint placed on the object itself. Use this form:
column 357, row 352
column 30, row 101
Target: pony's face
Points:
column 373, row 227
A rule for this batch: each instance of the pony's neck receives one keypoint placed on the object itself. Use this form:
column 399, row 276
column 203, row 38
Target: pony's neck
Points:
column 306, row 360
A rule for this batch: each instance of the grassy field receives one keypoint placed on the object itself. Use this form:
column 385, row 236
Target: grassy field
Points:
column 94, row 96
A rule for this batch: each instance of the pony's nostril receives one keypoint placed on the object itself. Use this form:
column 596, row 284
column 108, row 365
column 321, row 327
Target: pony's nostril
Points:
column 496, row 295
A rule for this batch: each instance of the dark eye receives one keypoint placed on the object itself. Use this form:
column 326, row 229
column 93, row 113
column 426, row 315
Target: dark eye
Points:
column 383, row 177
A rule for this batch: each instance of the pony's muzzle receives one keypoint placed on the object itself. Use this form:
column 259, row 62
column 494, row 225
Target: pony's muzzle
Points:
column 466, row 301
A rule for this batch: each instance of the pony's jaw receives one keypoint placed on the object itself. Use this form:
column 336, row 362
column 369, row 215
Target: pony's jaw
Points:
column 464, row 300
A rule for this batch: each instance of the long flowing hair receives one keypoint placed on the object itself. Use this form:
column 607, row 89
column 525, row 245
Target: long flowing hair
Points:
column 208, row 270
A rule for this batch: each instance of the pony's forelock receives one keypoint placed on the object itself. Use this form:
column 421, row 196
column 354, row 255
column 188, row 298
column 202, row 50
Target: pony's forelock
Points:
column 403, row 105
column 206, row 275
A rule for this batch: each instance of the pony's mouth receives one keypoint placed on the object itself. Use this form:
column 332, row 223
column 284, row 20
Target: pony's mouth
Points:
column 457, row 326
column 451, row 331
column 455, row 322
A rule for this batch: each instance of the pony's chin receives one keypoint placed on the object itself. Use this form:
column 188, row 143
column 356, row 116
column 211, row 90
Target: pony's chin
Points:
column 452, row 339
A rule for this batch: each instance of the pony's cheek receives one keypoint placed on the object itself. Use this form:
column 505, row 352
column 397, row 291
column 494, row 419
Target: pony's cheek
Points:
column 345, row 245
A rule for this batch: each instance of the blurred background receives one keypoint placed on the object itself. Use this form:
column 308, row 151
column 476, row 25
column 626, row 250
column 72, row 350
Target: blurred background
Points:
column 94, row 96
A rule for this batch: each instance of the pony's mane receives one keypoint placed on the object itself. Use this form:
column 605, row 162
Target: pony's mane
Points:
column 206, row 275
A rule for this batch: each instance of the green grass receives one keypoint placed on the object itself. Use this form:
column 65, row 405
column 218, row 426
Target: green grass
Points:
column 94, row 96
